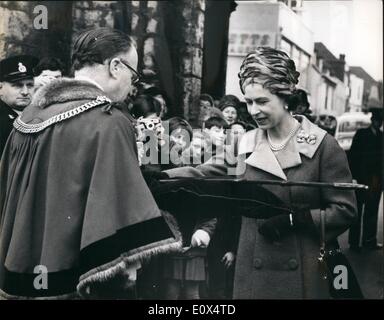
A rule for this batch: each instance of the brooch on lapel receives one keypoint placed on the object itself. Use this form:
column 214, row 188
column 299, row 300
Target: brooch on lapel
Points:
column 302, row 137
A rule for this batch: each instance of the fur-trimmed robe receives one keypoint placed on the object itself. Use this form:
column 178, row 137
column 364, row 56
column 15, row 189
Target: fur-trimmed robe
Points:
column 73, row 200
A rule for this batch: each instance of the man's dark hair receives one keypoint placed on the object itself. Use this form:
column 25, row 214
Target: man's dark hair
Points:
column 48, row 63
column 97, row 45
column 215, row 121
column 145, row 105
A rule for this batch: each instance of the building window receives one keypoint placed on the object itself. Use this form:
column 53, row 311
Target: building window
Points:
column 295, row 56
column 285, row 46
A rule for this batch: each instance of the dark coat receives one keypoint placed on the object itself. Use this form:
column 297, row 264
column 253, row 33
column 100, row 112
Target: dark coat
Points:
column 7, row 116
column 366, row 158
column 289, row 269
column 73, row 199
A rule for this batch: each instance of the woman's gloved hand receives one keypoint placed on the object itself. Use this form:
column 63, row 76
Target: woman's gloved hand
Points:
column 200, row 239
column 275, row 228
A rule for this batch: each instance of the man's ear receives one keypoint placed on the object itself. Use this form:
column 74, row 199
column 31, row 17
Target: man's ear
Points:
column 114, row 66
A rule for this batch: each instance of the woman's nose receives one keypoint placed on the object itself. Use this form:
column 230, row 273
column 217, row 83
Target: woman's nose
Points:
column 253, row 109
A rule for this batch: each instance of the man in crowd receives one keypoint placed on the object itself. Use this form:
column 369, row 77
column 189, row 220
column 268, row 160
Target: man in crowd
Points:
column 366, row 160
column 16, row 90
column 77, row 218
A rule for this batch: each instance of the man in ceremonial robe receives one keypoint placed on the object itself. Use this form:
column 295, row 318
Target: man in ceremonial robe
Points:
column 77, row 218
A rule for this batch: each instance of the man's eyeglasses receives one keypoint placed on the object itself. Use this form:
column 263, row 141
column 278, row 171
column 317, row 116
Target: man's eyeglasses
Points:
column 135, row 74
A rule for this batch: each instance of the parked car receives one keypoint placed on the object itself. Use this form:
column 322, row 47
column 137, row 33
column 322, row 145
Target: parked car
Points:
column 347, row 125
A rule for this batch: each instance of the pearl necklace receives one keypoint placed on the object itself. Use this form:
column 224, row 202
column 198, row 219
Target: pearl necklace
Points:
column 281, row 146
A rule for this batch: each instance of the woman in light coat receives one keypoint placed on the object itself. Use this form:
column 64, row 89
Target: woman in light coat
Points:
column 277, row 258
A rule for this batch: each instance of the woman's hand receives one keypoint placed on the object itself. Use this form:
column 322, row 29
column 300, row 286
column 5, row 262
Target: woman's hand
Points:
column 276, row 227
column 200, row 238
column 228, row 259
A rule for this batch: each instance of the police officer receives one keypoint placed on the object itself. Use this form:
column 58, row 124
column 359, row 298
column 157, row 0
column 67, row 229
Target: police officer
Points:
column 16, row 90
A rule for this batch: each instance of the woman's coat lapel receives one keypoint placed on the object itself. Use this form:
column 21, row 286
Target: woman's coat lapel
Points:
column 261, row 156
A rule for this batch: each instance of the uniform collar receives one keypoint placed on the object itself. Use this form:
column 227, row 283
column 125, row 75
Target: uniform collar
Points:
column 305, row 142
column 12, row 113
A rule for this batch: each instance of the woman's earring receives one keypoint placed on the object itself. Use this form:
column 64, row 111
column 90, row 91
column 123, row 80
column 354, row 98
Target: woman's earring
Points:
column 286, row 107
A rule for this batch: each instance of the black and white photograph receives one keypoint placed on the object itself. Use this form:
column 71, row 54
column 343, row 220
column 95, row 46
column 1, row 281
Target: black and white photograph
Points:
column 191, row 151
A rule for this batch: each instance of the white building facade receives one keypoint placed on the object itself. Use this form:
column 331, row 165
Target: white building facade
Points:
column 259, row 23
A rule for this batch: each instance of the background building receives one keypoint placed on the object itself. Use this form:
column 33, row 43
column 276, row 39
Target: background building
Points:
column 370, row 93
column 271, row 24
column 328, row 82
column 182, row 45
column 356, row 85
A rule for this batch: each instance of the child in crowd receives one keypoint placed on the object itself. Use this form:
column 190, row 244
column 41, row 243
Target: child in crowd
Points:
column 207, row 109
column 221, row 257
column 237, row 130
column 194, row 154
column 214, row 130
column 222, row 250
column 228, row 106
column 180, row 136
column 184, row 272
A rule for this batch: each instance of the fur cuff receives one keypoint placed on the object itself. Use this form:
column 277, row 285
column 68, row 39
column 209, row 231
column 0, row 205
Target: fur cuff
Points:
column 112, row 280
